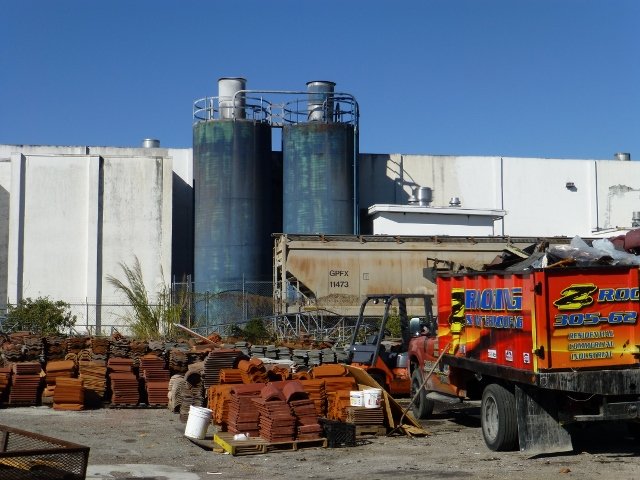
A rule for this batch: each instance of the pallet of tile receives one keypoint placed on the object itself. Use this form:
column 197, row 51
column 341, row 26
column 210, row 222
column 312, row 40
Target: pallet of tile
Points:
column 258, row 445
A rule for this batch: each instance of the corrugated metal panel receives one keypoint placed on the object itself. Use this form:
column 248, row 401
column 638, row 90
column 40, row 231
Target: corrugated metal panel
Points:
column 233, row 202
column 318, row 190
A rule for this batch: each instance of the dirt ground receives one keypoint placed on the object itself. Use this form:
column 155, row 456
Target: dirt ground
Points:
column 149, row 444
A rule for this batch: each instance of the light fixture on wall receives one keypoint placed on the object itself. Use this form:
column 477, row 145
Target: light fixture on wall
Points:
column 570, row 186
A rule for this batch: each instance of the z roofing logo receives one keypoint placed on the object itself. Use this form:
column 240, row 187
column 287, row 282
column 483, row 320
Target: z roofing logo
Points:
column 576, row 296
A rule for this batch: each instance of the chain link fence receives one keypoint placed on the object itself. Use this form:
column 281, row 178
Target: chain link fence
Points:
column 222, row 310
column 229, row 305
column 219, row 310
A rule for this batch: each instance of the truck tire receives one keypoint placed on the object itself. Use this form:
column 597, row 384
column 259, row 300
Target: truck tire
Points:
column 634, row 430
column 422, row 407
column 498, row 418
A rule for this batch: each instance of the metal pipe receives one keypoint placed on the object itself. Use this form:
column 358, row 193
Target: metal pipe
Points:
column 197, row 335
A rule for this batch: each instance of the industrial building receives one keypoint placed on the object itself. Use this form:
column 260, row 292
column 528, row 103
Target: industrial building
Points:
column 72, row 214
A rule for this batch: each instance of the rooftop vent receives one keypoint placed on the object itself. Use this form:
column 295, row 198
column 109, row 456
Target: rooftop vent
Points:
column 320, row 100
column 421, row 196
column 227, row 89
column 150, row 143
column 623, row 157
column 455, row 202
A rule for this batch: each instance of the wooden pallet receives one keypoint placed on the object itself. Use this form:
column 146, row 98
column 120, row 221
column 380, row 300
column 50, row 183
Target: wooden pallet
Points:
column 137, row 405
column 250, row 446
column 257, row 445
column 378, row 430
column 295, row 445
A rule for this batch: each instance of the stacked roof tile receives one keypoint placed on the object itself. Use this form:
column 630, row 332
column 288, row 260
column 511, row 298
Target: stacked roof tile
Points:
column 69, row 394
column 25, row 384
column 123, row 382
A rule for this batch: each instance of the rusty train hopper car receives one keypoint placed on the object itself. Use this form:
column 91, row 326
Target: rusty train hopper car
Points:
column 335, row 272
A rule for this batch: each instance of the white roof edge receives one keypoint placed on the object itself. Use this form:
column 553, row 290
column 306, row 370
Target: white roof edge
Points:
column 487, row 212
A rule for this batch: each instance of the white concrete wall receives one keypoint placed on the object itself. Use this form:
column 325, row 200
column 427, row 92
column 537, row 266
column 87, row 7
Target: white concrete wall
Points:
column 5, row 191
column 532, row 191
column 618, row 193
column 538, row 202
column 48, row 234
column 76, row 213
column 136, row 219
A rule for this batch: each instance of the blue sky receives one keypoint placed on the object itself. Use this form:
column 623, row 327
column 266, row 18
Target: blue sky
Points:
column 548, row 78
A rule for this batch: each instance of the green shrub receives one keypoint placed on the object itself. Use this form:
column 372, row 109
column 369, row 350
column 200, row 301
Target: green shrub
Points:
column 255, row 331
column 42, row 315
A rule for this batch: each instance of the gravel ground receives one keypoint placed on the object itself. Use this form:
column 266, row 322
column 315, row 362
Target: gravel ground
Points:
column 148, row 444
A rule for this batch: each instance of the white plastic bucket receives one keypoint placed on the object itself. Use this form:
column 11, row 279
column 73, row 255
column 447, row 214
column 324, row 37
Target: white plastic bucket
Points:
column 372, row 397
column 198, row 422
column 357, row 398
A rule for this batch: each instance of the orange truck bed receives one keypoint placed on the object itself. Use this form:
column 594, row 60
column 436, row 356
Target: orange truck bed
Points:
column 568, row 319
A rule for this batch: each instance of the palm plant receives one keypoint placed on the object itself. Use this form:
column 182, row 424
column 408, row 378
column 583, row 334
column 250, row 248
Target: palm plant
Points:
column 148, row 321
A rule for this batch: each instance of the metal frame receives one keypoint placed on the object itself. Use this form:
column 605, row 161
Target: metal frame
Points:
column 388, row 300
column 58, row 447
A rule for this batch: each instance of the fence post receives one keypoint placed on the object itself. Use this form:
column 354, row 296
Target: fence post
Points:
column 206, row 312
column 244, row 303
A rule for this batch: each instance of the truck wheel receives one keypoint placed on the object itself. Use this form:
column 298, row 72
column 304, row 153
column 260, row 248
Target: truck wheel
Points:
column 498, row 418
column 422, row 406
column 634, row 430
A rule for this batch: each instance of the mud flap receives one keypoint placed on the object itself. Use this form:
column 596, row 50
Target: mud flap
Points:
column 539, row 430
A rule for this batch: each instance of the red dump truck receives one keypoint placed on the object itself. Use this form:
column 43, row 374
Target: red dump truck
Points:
column 542, row 349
